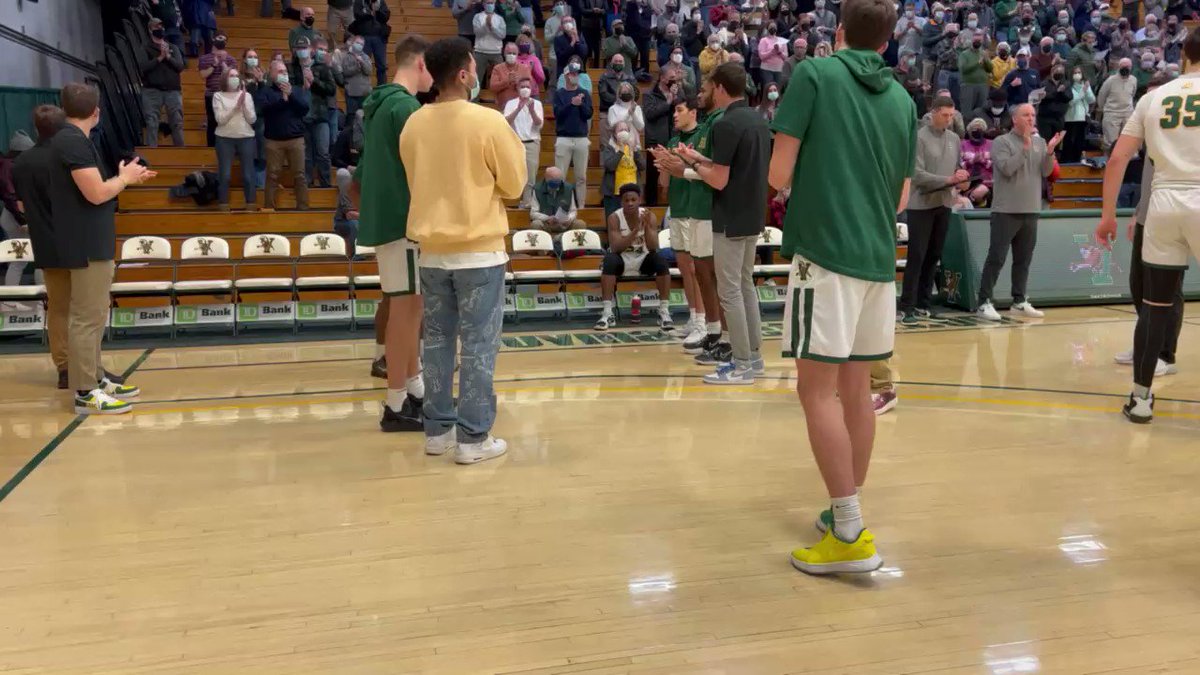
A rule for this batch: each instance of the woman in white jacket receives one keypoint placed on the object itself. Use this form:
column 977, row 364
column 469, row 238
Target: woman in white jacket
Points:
column 233, row 108
column 626, row 109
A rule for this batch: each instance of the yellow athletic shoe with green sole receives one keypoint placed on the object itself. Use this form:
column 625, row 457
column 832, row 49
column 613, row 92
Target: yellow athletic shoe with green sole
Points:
column 834, row 556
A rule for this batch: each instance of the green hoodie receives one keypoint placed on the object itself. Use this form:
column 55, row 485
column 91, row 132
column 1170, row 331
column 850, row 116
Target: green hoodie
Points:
column 842, row 212
column 383, row 184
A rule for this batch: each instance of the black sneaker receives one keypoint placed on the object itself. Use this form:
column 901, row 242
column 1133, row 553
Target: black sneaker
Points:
column 910, row 319
column 710, row 341
column 404, row 420
column 929, row 315
column 1139, row 410
column 379, row 368
column 722, row 353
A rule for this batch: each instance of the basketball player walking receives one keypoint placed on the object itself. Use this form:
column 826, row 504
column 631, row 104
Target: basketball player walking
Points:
column 840, row 313
column 1167, row 120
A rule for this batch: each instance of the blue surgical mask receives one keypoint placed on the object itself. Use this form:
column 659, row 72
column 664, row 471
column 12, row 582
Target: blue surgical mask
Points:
column 356, row 47
column 320, row 56
column 772, row 95
column 281, row 78
column 489, row 7
column 554, row 184
column 302, row 53
column 252, row 61
column 475, row 91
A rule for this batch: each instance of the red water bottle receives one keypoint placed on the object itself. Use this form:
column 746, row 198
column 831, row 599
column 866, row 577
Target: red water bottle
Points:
column 635, row 309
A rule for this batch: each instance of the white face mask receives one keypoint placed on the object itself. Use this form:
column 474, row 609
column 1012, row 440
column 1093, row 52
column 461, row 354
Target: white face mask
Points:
column 677, row 58
column 772, row 95
column 510, row 59
column 524, row 92
column 623, row 137
column 1077, row 77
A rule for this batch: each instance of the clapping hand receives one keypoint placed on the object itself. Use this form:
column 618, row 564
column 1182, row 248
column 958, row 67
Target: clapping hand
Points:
column 1054, row 142
column 959, row 176
column 577, row 99
column 286, row 88
column 688, row 154
column 133, row 173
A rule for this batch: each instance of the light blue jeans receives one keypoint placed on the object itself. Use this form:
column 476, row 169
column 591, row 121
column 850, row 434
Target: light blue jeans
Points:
column 316, row 151
column 466, row 304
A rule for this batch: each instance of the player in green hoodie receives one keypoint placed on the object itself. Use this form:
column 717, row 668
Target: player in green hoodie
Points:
column 848, row 161
column 382, row 222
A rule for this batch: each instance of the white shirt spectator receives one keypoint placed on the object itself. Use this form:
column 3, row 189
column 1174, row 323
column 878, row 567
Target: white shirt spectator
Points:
column 233, row 122
column 627, row 112
column 523, row 122
column 486, row 41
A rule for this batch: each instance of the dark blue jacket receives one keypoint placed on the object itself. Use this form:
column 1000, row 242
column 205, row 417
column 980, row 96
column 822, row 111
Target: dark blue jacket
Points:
column 1020, row 94
column 572, row 121
column 283, row 119
column 563, row 51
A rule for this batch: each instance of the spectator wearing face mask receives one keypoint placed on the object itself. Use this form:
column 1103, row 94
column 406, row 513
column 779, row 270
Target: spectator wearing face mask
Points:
column 1025, row 30
column 618, row 43
column 212, row 68
column 283, row 110
column 1052, row 111
column 1062, row 43
column 168, row 12
column 514, row 18
column 976, row 153
column 355, row 67
column 304, row 29
column 1044, row 58
column 769, row 103
column 934, row 40
column 507, row 75
column 1076, row 120
column 346, row 152
column 575, row 66
column 995, row 114
column 909, row 77
column 1173, row 39
column 1122, row 41
column 1022, row 81
column 1149, row 32
column 570, row 45
column 371, row 22
column 772, row 54
column 948, row 76
column 1002, row 64
column 554, row 206
column 907, row 32
column 234, row 109
column 713, row 56
column 668, row 42
column 695, row 37
column 160, row 66
column 626, row 109
column 253, row 79
column 658, row 106
column 310, row 71
column 624, row 163
column 799, row 53
column 824, row 17
column 1083, row 57
column 572, row 121
column 551, row 30
column 1147, row 68
column 975, row 68
column 526, row 116
column 972, row 29
column 687, row 72
column 464, row 12
column 1061, row 24
column 610, row 85
column 1114, row 103
column 489, row 41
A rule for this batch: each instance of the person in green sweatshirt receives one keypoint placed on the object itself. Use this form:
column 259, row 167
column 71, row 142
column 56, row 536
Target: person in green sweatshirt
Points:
column 383, row 196
column 974, row 70
column 304, row 29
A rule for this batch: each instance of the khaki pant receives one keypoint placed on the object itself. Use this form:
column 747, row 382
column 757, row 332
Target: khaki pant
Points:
column 533, row 155
column 881, row 377
column 337, row 23
column 90, row 288
column 1110, row 128
column 58, row 314
column 292, row 153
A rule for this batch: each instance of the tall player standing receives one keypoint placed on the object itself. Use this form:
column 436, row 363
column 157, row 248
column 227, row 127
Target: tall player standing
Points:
column 840, row 313
column 383, row 222
column 1167, row 120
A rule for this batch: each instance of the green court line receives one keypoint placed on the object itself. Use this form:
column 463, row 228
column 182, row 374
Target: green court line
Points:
column 50, row 447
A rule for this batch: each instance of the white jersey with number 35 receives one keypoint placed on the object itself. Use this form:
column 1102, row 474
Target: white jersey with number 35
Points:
column 1168, row 120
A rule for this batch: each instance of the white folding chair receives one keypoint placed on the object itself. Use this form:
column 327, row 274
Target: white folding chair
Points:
column 19, row 251
column 586, row 252
column 150, row 256
column 207, row 254
column 265, row 257
column 317, row 252
column 771, row 237
column 533, row 250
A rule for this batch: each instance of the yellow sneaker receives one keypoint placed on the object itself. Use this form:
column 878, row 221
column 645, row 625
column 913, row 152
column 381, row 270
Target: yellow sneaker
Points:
column 833, row 556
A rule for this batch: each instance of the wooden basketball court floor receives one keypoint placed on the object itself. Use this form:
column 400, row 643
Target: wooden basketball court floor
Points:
column 250, row 518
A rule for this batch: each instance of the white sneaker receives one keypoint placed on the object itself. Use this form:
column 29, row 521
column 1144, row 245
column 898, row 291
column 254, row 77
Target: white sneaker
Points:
column 1139, row 410
column 1163, row 368
column 695, row 339
column 473, row 453
column 988, row 312
column 1026, row 309
column 99, row 403
column 440, row 445
column 684, row 330
column 1124, row 358
column 664, row 319
column 121, row 391
column 606, row 321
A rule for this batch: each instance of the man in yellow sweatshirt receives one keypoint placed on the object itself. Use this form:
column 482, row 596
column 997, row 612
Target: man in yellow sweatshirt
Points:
column 462, row 160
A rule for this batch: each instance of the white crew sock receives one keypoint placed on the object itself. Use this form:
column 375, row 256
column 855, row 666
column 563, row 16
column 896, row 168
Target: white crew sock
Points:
column 379, row 351
column 1140, row 391
column 416, row 385
column 395, row 398
column 847, row 518
column 713, row 327
column 724, row 336
column 692, row 314
column 608, row 306
column 698, row 319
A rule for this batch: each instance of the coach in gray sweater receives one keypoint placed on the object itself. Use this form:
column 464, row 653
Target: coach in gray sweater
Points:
column 1020, row 160
column 934, row 177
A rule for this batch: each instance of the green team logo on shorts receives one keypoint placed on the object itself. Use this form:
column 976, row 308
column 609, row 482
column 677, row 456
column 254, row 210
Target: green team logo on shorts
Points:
column 802, row 268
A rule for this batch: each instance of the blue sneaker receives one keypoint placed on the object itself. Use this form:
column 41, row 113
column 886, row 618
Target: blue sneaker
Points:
column 730, row 373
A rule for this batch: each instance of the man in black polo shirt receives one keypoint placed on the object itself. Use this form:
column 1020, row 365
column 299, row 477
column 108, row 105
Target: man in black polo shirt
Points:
column 737, row 172
column 85, row 239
